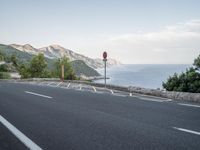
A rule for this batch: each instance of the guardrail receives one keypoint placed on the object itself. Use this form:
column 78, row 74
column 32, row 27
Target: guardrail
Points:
column 192, row 97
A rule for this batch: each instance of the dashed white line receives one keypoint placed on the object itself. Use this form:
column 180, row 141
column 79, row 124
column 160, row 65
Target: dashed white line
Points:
column 94, row 88
column 186, row 130
column 68, row 85
column 41, row 95
column 80, row 87
column 189, row 105
column 58, row 84
column 23, row 138
column 130, row 94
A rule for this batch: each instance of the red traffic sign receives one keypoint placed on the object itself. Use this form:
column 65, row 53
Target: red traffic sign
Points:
column 105, row 55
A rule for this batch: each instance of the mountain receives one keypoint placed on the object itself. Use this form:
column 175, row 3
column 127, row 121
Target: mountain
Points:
column 24, row 56
column 21, row 55
column 57, row 51
column 80, row 68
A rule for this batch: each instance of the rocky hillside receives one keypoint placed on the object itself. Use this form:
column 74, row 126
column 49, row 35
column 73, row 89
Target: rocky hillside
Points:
column 56, row 51
column 79, row 67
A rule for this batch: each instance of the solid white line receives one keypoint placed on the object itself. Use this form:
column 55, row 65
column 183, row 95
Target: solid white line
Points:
column 189, row 105
column 37, row 94
column 119, row 95
column 68, row 85
column 186, row 130
column 168, row 100
column 40, row 83
column 50, row 83
column 112, row 91
column 94, row 88
column 156, row 97
column 23, row 138
column 58, row 84
column 149, row 99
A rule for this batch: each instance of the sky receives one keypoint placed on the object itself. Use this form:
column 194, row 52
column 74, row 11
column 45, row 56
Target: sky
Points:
column 131, row 31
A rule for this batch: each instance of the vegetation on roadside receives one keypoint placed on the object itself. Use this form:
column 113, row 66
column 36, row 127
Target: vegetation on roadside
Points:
column 22, row 61
column 188, row 81
column 37, row 67
column 68, row 71
column 81, row 68
column 4, row 75
column 4, row 68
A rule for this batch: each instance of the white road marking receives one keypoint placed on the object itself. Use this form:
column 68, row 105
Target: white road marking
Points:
column 80, row 87
column 189, row 105
column 130, row 94
column 58, row 84
column 50, row 83
column 119, row 95
column 168, row 100
column 23, row 138
column 68, row 85
column 186, row 130
column 150, row 99
column 149, row 96
column 94, row 88
column 112, row 91
column 37, row 94
column 40, row 83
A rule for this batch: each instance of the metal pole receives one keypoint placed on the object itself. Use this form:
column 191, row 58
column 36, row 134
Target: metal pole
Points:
column 62, row 72
column 105, row 73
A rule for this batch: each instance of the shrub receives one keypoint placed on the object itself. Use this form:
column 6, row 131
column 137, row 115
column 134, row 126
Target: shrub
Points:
column 188, row 81
column 4, row 75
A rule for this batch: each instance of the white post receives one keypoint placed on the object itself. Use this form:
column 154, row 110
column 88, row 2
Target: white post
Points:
column 105, row 72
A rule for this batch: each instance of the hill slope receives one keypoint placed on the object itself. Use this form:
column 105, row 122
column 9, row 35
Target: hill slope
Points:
column 56, row 51
column 24, row 57
column 80, row 68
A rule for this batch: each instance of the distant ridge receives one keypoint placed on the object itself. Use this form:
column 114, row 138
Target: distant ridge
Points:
column 57, row 51
column 80, row 68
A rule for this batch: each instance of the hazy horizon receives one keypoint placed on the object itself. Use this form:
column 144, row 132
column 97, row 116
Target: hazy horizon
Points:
column 131, row 31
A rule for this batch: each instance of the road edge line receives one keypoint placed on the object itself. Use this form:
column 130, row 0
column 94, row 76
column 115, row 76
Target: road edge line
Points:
column 22, row 137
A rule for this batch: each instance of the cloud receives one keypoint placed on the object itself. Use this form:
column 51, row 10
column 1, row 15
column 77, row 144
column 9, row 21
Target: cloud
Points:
column 178, row 43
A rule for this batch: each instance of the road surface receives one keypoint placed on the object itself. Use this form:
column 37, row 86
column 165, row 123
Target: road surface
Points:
column 62, row 116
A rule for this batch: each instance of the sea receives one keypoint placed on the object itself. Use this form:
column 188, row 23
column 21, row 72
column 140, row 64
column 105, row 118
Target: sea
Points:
column 141, row 75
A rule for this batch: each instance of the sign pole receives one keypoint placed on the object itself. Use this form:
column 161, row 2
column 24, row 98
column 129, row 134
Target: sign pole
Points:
column 62, row 68
column 105, row 59
column 105, row 73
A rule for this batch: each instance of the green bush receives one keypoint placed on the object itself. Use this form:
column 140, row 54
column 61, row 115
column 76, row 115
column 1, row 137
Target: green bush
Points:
column 4, row 75
column 68, row 70
column 4, row 68
column 188, row 81
column 37, row 68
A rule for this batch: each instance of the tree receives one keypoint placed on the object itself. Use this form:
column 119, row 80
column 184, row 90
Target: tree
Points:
column 38, row 66
column 14, row 60
column 197, row 62
column 24, row 71
column 1, row 56
column 4, row 68
column 188, row 81
column 68, row 71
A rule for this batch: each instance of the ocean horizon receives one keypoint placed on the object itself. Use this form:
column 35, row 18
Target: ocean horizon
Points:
column 141, row 75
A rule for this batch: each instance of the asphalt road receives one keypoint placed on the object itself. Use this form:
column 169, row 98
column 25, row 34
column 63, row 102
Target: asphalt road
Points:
column 67, row 119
